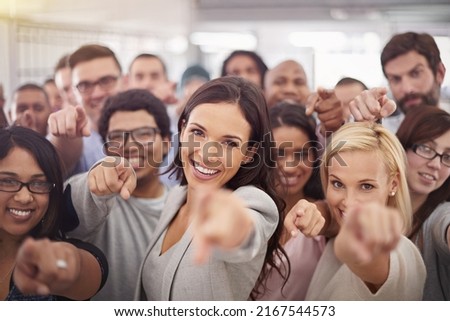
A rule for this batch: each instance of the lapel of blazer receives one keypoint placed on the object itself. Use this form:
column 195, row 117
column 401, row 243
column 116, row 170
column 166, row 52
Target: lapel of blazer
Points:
column 180, row 249
column 173, row 203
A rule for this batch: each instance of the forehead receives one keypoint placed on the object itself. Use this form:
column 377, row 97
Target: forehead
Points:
column 145, row 64
column 241, row 61
column 405, row 62
column 20, row 161
column 63, row 74
column 94, row 69
column 297, row 137
column 30, row 96
column 288, row 69
column 232, row 119
column 358, row 165
column 127, row 120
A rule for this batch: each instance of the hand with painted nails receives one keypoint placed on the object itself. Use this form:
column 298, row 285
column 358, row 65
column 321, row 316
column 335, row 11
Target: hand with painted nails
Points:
column 372, row 105
column 112, row 175
column 304, row 218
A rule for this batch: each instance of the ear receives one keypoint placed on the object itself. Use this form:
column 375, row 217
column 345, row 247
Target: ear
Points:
column 440, row 74
column 394, row 186
column 250, row 152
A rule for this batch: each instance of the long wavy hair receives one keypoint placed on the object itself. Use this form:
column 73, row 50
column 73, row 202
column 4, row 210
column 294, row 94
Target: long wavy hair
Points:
column 261, row 171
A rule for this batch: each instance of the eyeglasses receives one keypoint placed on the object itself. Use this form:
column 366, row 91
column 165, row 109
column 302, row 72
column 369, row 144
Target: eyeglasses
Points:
column 429, row 153
column 141, row 135
column 105, row 83
column 37, row 187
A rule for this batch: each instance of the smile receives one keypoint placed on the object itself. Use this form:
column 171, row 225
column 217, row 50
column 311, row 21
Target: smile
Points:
column 204, row 170
column 21, row 213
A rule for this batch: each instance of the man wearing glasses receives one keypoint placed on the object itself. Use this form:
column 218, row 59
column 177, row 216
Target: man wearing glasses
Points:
column 134, row 125
column 96, row 76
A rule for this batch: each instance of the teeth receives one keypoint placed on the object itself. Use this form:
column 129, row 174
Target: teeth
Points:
column 205, row 171
column 20, row 212
column 428, row 176
column 134, row 160
column 288, row 180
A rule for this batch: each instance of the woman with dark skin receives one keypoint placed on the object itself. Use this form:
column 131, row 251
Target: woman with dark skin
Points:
column 37, row 261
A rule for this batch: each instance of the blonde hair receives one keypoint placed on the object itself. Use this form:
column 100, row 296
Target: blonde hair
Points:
column 372, row 137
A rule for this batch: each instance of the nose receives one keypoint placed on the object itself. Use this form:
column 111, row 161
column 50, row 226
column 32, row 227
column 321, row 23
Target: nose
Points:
column 435, row 163
column 350, row 199
column 289, row 87
column 98, row 92
column 407, row 86
column 211, row 153
column 23, row 196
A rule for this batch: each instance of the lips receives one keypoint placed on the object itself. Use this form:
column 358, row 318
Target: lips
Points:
column 204, row 170
column 136, row 162
column 20, row 214
column 427, row 178
column 289, row 180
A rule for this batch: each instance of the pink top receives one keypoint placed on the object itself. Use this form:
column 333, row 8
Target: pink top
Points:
column 303, row 253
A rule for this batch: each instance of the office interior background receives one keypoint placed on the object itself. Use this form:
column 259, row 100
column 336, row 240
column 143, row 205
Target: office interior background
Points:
column 330, row 38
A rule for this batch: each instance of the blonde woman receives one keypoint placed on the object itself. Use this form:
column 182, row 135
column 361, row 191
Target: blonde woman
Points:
column 363, row 176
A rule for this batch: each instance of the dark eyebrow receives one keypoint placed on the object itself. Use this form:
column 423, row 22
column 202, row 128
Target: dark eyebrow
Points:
column 446, row 148
column 226, row 136
column 16, row 175
column 415, row 67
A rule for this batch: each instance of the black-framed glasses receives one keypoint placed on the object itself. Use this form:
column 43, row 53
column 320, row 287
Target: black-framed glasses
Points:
column 105, row 83
column 142, row 135
column 37, row 187
column 429, row 153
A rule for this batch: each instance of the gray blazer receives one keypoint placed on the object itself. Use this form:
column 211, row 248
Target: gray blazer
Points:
column 227, row 275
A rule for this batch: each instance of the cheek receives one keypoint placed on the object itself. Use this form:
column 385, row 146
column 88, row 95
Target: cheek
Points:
column 43, row 204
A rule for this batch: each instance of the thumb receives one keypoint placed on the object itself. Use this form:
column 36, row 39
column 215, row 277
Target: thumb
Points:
column 388, row 106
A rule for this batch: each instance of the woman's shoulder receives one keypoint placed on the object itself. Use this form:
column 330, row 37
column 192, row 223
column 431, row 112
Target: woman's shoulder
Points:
column 251, row 192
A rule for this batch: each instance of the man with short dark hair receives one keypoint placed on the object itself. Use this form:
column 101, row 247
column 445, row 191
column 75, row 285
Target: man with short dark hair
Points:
column 134, row 125
column 286, row 82
column 96, row 76
column 412, row 65
column 148, row 71
column 30, row 108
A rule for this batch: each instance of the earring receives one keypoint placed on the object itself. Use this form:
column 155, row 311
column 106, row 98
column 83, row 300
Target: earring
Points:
column 392, row 193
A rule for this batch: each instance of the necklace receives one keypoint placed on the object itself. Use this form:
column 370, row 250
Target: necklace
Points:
column 7, row 273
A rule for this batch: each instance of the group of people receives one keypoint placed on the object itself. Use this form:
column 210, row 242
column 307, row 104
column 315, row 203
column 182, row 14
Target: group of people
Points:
column 272, row 192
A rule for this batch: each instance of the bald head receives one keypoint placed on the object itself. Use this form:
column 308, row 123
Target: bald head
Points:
column 286, row 81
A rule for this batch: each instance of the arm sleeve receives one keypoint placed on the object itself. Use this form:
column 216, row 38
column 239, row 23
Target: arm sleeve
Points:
column 89, row 211
column 97, row 253
column 264, row 214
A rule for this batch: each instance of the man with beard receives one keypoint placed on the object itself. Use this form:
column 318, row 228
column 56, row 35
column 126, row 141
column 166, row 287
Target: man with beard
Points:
column 412, row 65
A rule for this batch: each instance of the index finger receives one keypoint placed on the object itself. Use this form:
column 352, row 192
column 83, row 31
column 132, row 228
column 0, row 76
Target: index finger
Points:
column 311, row 104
